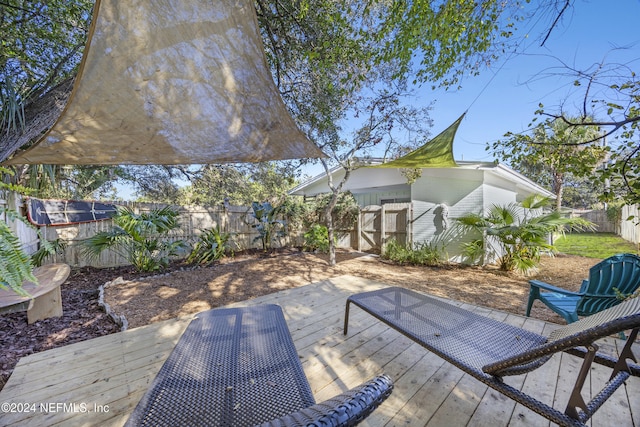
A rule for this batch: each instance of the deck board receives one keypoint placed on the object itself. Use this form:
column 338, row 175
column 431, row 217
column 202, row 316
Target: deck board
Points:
column 114, row 371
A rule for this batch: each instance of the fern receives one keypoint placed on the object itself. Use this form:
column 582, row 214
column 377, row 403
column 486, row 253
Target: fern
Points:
column 15, row 264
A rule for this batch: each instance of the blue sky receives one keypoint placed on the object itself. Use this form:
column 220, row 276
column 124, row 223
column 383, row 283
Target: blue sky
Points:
column 505, row 97
column 584, row 37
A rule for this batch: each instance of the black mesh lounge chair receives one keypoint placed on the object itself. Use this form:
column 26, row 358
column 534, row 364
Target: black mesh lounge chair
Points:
column 239, row 367
column 490, row 350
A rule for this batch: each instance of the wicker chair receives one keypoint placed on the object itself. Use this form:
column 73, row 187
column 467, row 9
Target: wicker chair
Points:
column 490, row 350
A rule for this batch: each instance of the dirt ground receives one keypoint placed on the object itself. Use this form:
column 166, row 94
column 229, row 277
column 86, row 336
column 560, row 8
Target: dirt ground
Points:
column 184, row 290
column 236, row 279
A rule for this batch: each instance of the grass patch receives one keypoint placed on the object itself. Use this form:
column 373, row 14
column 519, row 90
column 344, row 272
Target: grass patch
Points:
column 594, row 245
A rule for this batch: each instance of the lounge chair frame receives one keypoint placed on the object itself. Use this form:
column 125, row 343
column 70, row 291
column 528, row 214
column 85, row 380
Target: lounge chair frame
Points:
column 490, row 350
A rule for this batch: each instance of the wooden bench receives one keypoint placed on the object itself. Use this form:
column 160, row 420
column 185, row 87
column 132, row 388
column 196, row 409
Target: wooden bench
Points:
column 45, row 298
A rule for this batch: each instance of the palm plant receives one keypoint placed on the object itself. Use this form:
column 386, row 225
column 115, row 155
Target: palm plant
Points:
column 47, row 248
column 268, row 226
column 211, row 246
column 140, row 238
column 521, row 236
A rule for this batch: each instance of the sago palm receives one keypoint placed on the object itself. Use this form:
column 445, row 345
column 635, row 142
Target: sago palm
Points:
column 139, row 238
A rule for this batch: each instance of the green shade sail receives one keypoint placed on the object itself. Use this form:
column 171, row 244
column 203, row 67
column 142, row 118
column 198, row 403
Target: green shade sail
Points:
column 437, row 153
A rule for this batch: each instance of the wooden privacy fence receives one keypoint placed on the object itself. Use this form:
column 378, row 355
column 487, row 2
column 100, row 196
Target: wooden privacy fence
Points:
column 375, row 226
column 604, row 224
column 630, row 223
column 236, row 220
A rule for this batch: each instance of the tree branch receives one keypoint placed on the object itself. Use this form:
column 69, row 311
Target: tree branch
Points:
column 626, row 167
column 270, row 34
column 46, row 85
column 567, row 3
column 614, row 125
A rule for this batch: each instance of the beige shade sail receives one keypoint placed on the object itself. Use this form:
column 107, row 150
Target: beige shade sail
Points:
column 172, row 82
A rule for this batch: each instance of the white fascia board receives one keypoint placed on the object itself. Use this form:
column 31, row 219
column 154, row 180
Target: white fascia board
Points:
column 320, row 179
column 521, row 180
column 299, row 190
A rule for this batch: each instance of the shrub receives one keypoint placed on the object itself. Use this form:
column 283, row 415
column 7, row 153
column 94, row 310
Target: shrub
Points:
column 423, row 253
column 317, row 239
column 212, row 245
column 344, row 214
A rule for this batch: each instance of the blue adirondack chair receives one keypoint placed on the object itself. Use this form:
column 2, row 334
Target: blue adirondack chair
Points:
column 621, row 272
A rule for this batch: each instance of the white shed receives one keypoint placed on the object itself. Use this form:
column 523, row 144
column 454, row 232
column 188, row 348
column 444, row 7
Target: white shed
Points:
column 436, row 197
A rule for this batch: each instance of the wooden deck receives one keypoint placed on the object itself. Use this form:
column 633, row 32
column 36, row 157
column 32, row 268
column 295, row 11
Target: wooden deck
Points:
column 99, row 382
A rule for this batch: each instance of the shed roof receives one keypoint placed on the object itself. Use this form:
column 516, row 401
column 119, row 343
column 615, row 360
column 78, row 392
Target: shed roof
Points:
column 317, row 184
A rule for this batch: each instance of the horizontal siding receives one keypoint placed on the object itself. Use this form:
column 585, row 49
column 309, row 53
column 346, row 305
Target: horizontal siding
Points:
column 376, row 198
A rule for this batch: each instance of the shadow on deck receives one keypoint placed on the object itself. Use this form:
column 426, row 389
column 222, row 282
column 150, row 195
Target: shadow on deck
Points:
column 100, row 381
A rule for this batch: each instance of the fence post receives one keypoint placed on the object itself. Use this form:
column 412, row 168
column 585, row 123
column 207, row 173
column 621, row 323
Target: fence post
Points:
column 409, row 226
column 383, row 228
column 359, row 231
column 224, row 219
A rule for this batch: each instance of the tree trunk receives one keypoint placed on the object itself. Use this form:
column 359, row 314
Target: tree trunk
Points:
column 330, row 232
column 558, row 180
column 328, row 218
